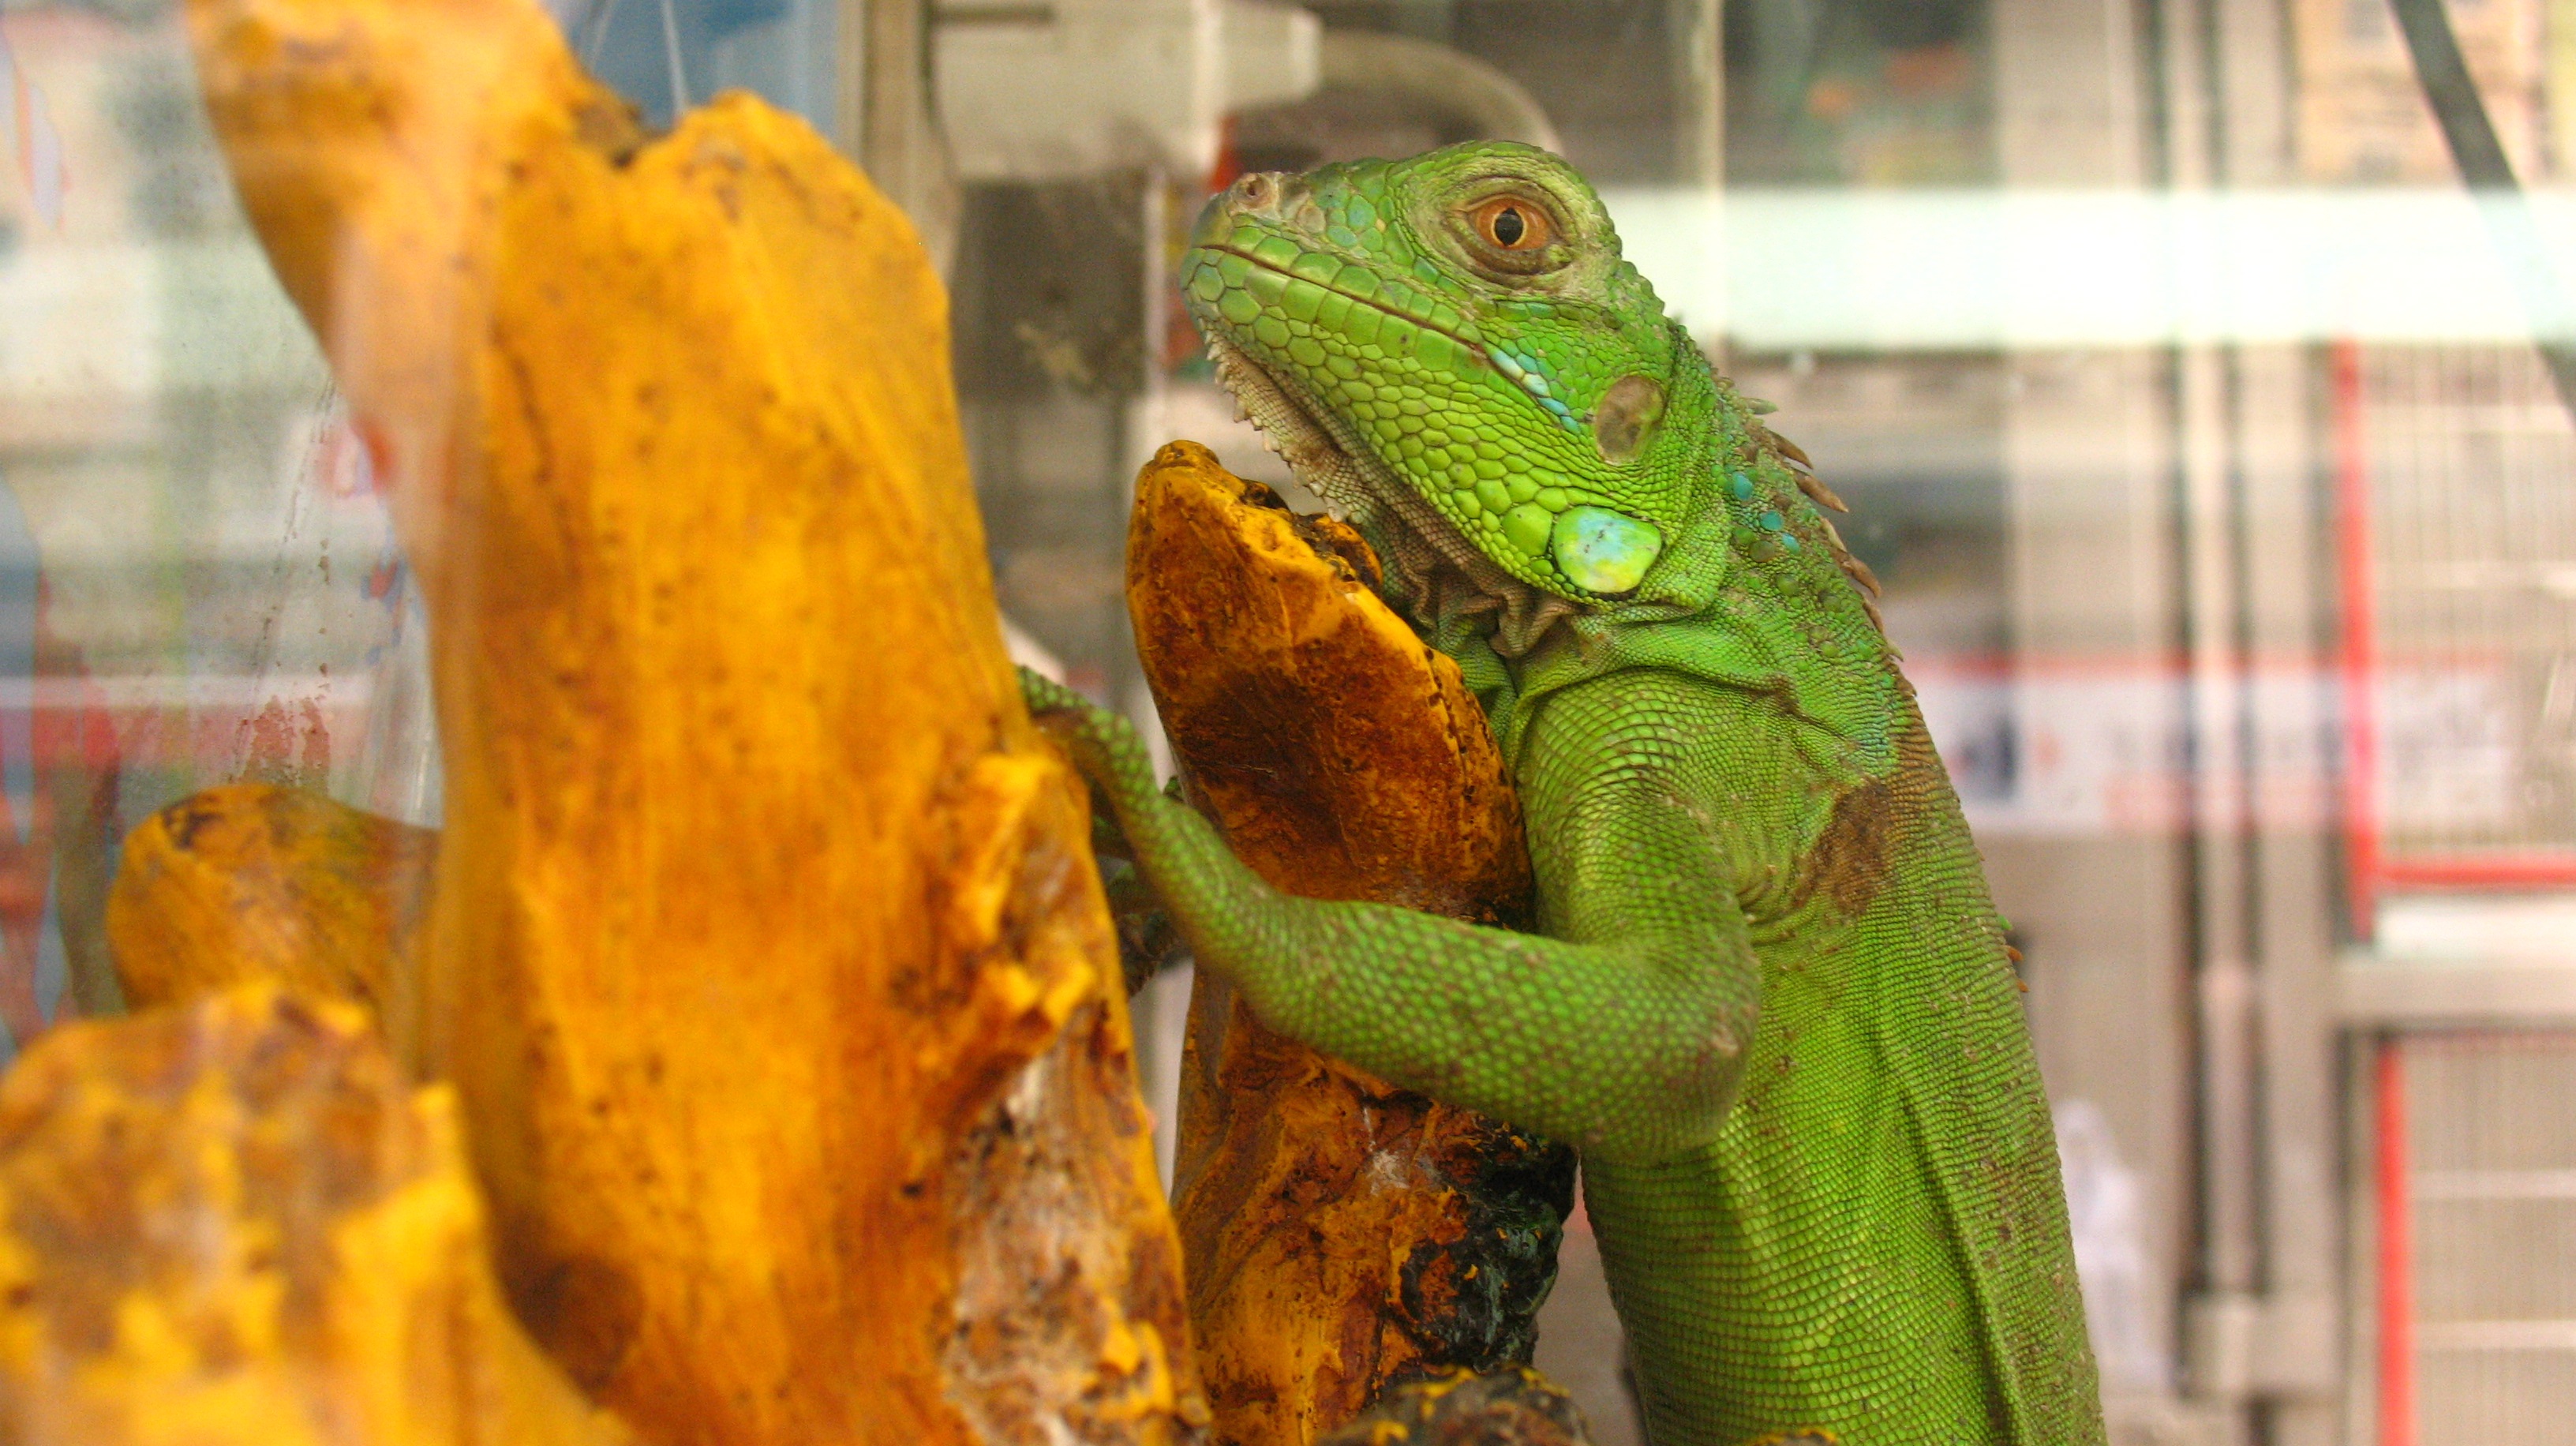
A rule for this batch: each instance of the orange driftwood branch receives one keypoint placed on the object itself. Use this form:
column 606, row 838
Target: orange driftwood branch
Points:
column 252, row 881
column 233, row 1225
column 1340, row 1233
column 765, row 951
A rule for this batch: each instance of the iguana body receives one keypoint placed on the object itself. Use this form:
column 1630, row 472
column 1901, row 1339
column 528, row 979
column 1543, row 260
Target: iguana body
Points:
column 1769, row 999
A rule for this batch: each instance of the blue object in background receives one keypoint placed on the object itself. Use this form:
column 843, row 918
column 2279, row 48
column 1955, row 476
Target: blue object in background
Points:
column 18, row 575
column 652, row 51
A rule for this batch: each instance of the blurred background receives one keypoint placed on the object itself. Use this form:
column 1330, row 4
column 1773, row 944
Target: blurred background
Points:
column 2226, row 510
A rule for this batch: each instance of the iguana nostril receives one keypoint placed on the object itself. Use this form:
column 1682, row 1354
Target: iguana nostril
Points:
column 1257, row 190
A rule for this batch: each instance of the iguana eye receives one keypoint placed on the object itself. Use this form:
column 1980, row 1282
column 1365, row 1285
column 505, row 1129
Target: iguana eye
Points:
column 1510, row 233
column 1508, row 223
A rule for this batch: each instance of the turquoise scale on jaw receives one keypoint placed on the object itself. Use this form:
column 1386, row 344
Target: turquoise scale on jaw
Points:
column 1603, row 551
column 1531, row 376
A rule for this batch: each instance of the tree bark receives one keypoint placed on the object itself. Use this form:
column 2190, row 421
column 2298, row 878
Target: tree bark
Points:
column 253, row 881
column 1340, row 1233
column 765, row 953
column 234, row 1225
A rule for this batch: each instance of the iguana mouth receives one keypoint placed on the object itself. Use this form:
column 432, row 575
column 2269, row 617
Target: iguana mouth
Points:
column 1417, row 316
column 1433, row 560
column 1516, row 370
column 1321, row 462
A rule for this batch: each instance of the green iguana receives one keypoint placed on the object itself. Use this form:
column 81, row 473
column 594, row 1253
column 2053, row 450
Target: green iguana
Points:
column 1769, row 999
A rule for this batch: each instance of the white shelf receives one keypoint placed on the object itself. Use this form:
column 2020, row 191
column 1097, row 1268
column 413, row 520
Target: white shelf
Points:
column 2380, row 991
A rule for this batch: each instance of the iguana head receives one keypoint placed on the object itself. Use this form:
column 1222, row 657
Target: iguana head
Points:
column 1454, row 339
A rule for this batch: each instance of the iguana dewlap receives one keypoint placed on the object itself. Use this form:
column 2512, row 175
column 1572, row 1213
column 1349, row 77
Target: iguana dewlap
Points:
column 1768, row 998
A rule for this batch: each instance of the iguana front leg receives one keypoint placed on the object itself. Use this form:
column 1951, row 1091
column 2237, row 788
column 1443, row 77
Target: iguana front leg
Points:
column 1624, row 1034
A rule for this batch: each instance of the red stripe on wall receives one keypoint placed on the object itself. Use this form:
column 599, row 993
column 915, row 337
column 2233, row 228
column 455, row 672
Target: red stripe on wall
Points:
column 2396, row 1253
column 2360, row 626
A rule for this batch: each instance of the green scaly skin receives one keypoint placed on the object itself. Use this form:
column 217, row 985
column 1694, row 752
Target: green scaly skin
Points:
column 1768, row 999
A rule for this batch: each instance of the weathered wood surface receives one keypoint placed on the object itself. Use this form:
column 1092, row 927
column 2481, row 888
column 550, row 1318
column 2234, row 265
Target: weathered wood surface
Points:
column 1340, row 1233
column 765, row 953
column 255, row 881
column 1513, row 1407
column 233, row 1224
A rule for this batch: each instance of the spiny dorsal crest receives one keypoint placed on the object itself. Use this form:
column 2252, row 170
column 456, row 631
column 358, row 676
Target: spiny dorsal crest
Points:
column 1814, row 486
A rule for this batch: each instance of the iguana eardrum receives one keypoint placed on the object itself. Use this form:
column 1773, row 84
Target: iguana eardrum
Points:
column 1768, row 999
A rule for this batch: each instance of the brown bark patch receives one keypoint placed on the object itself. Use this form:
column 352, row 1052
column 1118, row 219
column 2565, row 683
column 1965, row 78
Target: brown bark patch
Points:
column 1503, row 1408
